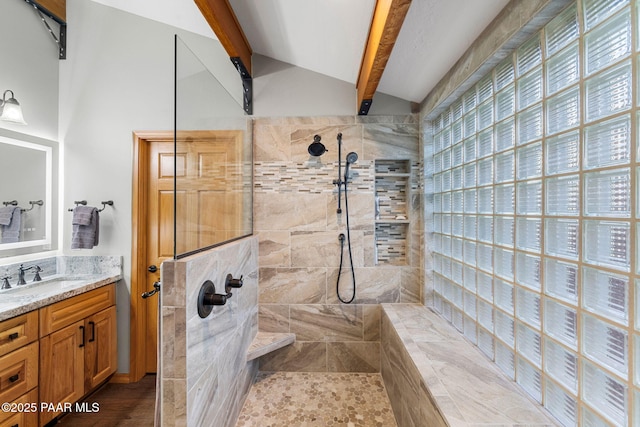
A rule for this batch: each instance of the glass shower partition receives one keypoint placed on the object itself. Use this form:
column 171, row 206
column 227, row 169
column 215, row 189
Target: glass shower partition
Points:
column 212, row 154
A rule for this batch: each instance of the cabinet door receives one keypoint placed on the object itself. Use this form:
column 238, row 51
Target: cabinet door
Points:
column 62, row 367
column 100, row 352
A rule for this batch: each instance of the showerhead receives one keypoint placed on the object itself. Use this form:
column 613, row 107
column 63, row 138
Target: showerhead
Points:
column 352, row 157
column 316, row 148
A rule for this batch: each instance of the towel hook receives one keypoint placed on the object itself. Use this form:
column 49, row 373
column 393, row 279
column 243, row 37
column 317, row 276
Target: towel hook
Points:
column 104, row 205
column 11, row 203
column 33, row 203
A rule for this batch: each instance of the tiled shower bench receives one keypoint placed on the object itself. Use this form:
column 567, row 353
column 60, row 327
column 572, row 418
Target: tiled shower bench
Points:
column 266, row 342
column 434, row 377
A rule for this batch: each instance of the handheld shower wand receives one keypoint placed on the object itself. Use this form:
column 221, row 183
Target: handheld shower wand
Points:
column 351, row 159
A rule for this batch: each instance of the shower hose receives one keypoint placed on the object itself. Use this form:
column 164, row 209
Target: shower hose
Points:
column 353, row 274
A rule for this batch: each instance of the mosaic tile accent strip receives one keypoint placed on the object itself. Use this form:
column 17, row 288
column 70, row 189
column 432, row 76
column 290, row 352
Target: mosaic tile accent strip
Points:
column 311, row 176
column 316, row 399
column 317, row 178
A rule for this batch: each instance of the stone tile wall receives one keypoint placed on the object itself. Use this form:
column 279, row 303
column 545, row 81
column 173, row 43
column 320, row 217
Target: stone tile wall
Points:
column 205, row 375
column 297, row 226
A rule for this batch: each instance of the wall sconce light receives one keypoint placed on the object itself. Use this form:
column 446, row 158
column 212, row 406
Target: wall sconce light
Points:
column 10, row 110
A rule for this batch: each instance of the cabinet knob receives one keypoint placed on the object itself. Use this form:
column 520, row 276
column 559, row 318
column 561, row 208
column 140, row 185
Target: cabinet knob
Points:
column 13, row 336
column 14, row 378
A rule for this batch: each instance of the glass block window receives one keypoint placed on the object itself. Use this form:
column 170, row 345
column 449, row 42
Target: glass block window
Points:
column 553, row 135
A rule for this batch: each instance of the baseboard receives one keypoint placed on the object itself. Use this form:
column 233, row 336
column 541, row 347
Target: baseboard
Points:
column 119, row 378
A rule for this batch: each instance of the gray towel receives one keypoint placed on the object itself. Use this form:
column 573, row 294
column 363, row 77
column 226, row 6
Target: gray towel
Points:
column 5, row 215
column 11, row 231
column 82, row 215
column 85, row 236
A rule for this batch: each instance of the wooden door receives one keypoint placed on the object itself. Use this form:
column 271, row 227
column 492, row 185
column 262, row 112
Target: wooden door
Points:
column 100, row 359
column 208, row 209
column 62, row 367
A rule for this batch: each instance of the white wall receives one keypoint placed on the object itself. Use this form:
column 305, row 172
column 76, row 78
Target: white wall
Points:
column 281, row 89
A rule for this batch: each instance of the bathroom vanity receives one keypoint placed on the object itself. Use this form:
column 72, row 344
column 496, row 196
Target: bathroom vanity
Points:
column 57, row 344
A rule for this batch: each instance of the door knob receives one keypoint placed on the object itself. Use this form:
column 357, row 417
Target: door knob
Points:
column 152, row 269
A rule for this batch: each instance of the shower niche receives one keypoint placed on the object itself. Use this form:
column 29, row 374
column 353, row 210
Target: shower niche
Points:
column 392, row 188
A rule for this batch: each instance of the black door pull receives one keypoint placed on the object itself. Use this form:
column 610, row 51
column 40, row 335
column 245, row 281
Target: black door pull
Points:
column 155, row 290
column 82, row 343
column 93, row 331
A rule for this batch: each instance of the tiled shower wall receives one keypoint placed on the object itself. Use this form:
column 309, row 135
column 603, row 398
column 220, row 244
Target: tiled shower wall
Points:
column 296, row 222
column 205, row 375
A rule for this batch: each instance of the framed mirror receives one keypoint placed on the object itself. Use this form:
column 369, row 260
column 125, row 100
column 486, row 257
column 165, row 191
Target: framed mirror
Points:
column 28, row 182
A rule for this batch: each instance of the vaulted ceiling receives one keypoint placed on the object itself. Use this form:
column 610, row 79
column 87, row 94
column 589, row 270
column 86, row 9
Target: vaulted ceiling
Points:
column 329, row 36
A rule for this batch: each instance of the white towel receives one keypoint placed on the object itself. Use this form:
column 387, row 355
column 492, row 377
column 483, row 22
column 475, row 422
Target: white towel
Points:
column 11, row 231
column 85, row 232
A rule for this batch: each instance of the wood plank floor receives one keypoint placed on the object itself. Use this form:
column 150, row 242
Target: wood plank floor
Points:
column 123, row 405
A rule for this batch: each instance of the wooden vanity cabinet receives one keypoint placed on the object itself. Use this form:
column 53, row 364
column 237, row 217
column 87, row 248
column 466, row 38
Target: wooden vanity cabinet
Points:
column 78, row 347
column 19, row 369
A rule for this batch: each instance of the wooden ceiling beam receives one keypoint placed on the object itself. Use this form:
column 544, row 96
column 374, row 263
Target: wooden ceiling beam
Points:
column 57, row 8
column 386, row 23
column 224, row 24
column 222, row 20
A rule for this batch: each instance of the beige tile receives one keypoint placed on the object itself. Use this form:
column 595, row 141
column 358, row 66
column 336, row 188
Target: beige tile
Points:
column 361, row 211
column 411, row 291
column 368, row 251
column 271, row 142
column 353, row 357
column 273, row 318
column 315, row 249
column 327, row 322
column 290, row 212
column 298, row 357
column 274, row 248
column 371, row 315
column 292, row 285
column 373, row 285
column 390, row 141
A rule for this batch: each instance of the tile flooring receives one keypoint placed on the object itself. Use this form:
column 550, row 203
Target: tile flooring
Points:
column 320, row 399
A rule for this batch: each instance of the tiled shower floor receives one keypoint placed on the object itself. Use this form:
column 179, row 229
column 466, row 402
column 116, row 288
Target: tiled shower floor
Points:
column 316, row 399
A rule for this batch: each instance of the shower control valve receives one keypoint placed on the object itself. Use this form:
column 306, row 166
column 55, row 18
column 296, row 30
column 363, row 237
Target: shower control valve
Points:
column 208, row 297
column 231, row 283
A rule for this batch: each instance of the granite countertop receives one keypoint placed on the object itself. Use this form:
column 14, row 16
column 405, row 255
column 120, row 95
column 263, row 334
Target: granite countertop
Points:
column 32, row 296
